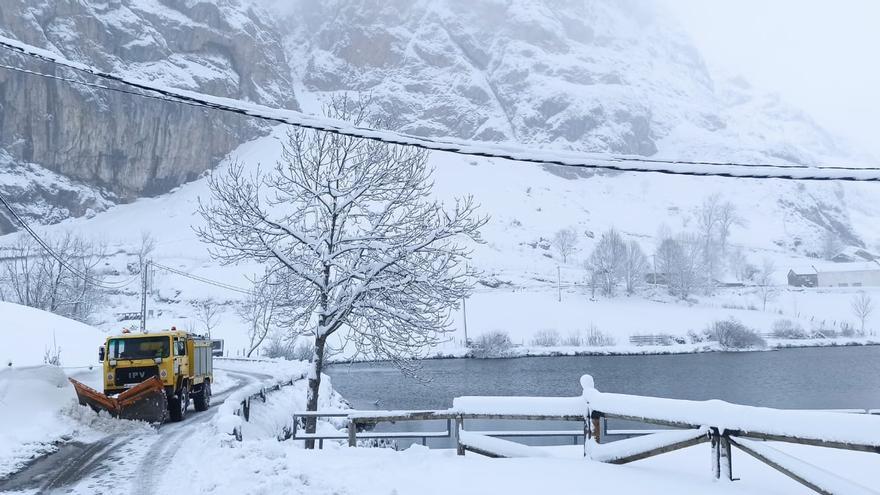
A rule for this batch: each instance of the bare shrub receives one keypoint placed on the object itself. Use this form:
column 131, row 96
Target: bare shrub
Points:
column 787, row 329
column 492, row 345
column 546, row 338
column 574, row 339
column 597, row 338
column 732, row 334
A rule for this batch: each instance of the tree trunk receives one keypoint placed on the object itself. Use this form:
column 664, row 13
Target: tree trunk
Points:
column 314, row 386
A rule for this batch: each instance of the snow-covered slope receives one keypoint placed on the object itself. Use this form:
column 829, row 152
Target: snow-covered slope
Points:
column 28, row 334
column 595, row 75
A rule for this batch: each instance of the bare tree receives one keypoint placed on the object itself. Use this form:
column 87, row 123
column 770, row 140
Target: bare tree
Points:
column 348, row 228
column 708, row 222
column 831, row 244
column 145, row 249
column 208, row 314
column 862, row 306
column 738, row 262
column 565, row 242
column 606, row 263
column 260, row 311
column 62, row 277
column 764, row 281
column 728, row 218
column 635, row 264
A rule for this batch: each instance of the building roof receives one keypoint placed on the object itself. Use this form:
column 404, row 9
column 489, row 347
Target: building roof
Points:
column 830, row 267
column 863, row 266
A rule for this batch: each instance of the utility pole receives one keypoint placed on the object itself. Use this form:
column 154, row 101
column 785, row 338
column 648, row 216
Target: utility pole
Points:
column 144, row 290
column 464, row 310
column 559, row 283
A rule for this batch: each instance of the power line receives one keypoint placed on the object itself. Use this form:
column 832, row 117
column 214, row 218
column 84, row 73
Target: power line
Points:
column 86, row 278
column 566, row 159
column 204, row 280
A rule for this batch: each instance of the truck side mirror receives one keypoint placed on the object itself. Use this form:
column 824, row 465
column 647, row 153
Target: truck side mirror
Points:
column 101, row 354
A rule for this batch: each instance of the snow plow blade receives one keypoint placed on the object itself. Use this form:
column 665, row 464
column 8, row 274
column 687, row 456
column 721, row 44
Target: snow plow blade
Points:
column 145, row 401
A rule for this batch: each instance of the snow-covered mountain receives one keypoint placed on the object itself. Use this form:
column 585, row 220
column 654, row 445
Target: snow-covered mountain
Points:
column 590, row 75
column 116, row 146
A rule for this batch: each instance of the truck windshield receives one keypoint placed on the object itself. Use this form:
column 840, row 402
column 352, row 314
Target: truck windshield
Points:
column 139, row 348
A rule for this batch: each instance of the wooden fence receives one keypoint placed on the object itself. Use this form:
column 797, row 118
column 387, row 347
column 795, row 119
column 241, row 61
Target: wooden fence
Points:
column 685, row 423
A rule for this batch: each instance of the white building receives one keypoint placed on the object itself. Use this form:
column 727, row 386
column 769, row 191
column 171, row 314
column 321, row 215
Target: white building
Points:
column 864, row 274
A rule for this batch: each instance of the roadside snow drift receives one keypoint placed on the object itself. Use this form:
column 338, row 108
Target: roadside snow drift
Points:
column 29, row 333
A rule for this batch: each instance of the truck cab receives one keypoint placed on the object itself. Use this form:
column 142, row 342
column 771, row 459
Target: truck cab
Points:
column 181, row 360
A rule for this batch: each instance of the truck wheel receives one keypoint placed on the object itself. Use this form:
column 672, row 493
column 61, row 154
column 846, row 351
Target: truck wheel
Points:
column 202, row 400
column 178, row 404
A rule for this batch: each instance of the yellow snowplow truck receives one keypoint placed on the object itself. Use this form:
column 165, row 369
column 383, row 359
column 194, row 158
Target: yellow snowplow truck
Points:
column 152, row 376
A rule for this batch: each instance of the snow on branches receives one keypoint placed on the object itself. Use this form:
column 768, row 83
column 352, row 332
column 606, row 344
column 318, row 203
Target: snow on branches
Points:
column 348, row 228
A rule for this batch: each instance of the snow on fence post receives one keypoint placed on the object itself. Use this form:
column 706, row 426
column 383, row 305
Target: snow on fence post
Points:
column 459, row 447
column 352, row 433
column 721, row 459
column 592, row 419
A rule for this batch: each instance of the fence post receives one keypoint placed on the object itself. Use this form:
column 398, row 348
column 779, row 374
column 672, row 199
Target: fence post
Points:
column 352, row 433
column 459, row 423
column 596, row 429
column 722, row 463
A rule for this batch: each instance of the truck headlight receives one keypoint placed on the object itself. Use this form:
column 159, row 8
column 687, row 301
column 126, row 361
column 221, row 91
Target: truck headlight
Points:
column 157, row 360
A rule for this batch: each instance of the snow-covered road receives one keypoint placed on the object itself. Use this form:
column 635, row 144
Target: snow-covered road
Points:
column 127, row 462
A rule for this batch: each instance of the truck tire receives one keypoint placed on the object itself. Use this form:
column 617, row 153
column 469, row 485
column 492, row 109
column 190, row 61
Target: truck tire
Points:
column 178, row 404
column 202, row 399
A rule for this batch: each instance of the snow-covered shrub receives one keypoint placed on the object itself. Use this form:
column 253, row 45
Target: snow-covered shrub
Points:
column 492, row 344
column 598, row 338
column 304, row 351
column 546, row 338
column 732, row 334
column 787, row 329
column 695, row 337
column 847, row 329
column 574, row 339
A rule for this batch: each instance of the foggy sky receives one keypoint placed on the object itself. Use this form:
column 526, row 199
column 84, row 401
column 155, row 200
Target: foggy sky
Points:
column 822, row 56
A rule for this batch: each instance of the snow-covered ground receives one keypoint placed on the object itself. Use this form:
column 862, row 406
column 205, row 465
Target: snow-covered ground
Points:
column 527, row 204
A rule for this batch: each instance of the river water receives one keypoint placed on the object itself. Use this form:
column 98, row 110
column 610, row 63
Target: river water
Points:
column 813, row 378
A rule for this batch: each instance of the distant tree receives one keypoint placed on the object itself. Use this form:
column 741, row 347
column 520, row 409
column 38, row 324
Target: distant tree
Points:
column 728, row 217
column 680, row 261
column 145, row 249
column 208, row 314
column 350, row 228
column 863, row 307
column 606, row 263
column 764, row 281
column 635, row 264
column 565, row 242
column 831, row 244
column 737, row 261
column 67, row 284
column 708, row 222
column 260, row 312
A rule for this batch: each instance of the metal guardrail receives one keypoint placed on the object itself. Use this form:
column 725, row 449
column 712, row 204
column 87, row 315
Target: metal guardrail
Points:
column 244, row 407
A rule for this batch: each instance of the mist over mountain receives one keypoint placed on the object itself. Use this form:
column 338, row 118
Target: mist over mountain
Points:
column 589, row 75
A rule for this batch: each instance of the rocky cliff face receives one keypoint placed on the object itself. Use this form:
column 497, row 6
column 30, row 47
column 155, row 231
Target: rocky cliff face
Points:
column 124, row 145
column 589, row 75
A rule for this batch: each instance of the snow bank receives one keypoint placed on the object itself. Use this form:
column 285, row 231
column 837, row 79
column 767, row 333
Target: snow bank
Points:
column 29, row 332
column 268, row 373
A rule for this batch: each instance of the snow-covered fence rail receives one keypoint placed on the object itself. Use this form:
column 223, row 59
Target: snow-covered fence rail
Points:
column 725, row 425
column 236, row 409
column 464, row 409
